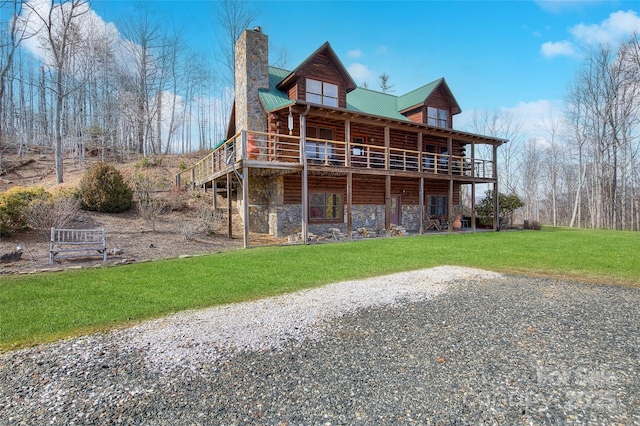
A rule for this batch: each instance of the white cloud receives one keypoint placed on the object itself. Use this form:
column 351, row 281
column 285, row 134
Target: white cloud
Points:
column 558, row 48
column 355, row 53
column 533, row 117
column 617, row 26
column 91, row 27
column 382, row 50
column 360, row 72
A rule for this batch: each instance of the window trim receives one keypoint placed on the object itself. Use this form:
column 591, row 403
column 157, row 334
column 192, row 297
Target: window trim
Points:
column 323, row 96
column 323, row 219
column 314, row 144
column 437, row 119
column 360, row 146
column 430, row 205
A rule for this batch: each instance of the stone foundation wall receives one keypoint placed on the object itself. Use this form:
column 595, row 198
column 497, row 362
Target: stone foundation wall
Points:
column 265, row 203
column 369, row 216
column 411, row 217
column 289, row 220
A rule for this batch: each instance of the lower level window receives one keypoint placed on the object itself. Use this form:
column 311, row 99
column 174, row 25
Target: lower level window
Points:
column 325, row 206
column 437, row 205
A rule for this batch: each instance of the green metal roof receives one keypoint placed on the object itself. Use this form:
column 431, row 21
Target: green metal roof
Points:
column 372, row 102
column 273, row 98
column 276, row 75
column 360, row 99
column 418, row 96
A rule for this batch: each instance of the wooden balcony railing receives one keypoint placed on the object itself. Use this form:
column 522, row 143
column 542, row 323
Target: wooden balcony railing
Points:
column 258, row 147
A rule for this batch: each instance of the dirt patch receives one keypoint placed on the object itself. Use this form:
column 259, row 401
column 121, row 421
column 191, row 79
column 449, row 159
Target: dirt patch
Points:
column 129, row 237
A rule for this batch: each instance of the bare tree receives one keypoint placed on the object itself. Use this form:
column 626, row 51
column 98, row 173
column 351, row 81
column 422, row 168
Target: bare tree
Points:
column 507, row 125
column 59, row 34
column 12, row 34
column 278, row 56
column 233, row 16
column 531, row 171
column 143, row 38
column 385, row 87
column 552, row 126
column 604, row 112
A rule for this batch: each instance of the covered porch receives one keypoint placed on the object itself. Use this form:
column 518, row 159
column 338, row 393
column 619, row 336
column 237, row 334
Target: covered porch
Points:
column 364, row 164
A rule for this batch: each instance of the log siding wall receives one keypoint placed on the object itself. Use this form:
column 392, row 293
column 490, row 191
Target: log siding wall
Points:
column 367, row 189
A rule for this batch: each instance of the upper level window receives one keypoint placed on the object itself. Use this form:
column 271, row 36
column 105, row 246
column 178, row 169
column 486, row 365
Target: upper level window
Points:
column 323, row 93
column 437, row 117
column 358, row 145
column 319, row 150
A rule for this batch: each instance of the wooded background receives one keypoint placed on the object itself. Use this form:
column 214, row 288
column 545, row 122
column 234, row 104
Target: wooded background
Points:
column 141, row 89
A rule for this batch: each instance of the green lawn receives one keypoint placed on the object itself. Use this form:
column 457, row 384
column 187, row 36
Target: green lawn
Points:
column 44, row 307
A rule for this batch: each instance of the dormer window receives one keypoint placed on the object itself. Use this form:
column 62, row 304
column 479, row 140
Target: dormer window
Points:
column 437, row 117
column 320, row 92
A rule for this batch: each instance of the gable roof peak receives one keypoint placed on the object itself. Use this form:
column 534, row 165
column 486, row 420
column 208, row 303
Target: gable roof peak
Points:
column 419, row 96
column 325, row 47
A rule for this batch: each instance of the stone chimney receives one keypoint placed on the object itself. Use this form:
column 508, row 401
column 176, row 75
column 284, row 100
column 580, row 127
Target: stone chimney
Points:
column 252, row 73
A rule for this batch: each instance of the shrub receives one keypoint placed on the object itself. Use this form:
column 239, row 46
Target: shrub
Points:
column 146, row 163
column 535, row 225
column 178, row 199
column 508, row 203
column 13, row 206
column 209, row 220
column 104, row 189
column 55, row 210
column 150, row 207
column 187, row 229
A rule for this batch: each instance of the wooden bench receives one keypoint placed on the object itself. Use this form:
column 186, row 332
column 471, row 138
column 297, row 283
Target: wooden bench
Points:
column 72, row 243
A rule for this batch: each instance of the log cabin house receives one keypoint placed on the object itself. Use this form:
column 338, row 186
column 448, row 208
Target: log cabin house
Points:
column 307, row 151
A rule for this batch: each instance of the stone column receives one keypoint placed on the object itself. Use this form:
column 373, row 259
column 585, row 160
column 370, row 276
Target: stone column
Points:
column 264, row 195
column 251, row 74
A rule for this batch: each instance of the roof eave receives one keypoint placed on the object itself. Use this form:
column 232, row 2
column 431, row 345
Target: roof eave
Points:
column 432, row 129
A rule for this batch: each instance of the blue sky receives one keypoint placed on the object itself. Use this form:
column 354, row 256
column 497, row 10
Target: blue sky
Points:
column 515, row 55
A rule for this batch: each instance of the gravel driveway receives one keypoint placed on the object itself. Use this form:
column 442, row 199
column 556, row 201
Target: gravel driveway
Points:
column 440, row 346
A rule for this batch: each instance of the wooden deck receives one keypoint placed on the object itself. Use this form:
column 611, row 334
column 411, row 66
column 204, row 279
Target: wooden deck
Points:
column 277, row 154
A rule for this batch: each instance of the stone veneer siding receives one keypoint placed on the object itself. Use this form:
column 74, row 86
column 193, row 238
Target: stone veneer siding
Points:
column 265, row 201
column 251, row 74
column 369, row 216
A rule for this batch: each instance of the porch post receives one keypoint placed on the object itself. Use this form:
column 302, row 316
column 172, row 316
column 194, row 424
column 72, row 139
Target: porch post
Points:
column 349, row 204
column 421, row 202
column 305, row 176
column 450, row 200
column 245, row 188
column 420, row 153
column 245, row 204
column 387, row 149
column 347, row 140
column 229, row 207
column 387, row 203
column 496, row 201
column 450, row 160
column 215, row 193
column 473, row 160
column 473, row 207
